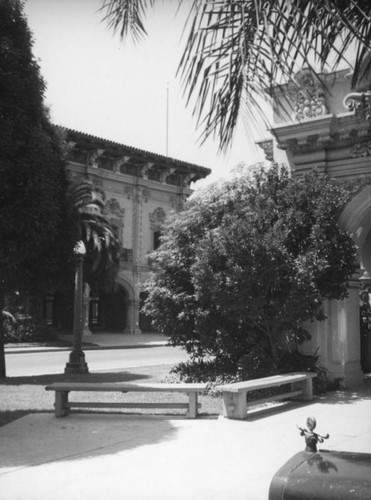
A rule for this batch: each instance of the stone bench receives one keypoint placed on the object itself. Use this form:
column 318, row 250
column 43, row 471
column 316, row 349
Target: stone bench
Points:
column 235, row 403
column 63, row 405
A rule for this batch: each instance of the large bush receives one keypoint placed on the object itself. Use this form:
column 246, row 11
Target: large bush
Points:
column 35, row 223
column 246, row 264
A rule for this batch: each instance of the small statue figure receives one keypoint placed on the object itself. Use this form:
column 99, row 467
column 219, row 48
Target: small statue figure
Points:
column 311, row 438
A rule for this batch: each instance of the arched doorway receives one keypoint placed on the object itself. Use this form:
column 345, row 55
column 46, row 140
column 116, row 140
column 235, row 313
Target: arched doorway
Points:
column 110, row 313
column 108, row 310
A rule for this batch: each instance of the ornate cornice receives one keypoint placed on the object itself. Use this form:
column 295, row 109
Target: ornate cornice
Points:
column 88, row 149
column 93, row 157
column 145, row 169
column 360, row 103
column 119, row 162
column 166, row 173
column 314, row 133
column 321, row 133
column 267, row 146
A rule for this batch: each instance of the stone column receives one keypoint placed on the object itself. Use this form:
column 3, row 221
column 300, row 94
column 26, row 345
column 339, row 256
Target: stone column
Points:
column 132, row 325
column 338, row 339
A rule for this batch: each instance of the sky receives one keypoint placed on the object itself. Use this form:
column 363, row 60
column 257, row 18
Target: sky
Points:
column 122, row 91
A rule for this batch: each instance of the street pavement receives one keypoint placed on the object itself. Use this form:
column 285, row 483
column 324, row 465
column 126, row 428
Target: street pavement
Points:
column 139, row 457
column 94, row 341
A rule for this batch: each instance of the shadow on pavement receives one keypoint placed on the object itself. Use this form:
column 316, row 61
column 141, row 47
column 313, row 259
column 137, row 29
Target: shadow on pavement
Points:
column 347, row 396
column 40, row 438
column 111, row 376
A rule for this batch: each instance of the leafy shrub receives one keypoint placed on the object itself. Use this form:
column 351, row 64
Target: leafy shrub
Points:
column 251, row 366
column 24, row 329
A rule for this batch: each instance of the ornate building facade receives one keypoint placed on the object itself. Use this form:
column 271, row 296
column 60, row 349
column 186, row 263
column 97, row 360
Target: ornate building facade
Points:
column 320, row 123
column 139, row 189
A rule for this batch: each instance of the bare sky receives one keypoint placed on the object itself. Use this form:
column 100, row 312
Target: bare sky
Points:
column 98, row 85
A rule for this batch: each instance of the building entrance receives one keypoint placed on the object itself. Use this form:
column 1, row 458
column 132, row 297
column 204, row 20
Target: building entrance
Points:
column 111, row 312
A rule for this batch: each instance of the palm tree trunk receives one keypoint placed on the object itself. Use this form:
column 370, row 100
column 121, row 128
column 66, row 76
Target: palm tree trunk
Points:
column 2, row 350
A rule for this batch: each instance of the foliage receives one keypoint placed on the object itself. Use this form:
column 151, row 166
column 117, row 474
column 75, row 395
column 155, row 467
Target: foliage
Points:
column 214, row 373
column 247, row 263
column 365, row 327
column 21, row 322
column 35, row 220
column 102, row 245
column 365, row 310
column 237, row 51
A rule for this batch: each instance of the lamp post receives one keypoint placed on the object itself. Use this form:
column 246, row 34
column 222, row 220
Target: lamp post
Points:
column 77, row 363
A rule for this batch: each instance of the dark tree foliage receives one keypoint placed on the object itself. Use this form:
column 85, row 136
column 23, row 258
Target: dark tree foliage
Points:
column 35, row 217
column 102, row 259
column 247, row 263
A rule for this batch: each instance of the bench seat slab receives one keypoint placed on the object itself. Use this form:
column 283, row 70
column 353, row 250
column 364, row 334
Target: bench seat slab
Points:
column 235, row 395
column 62, row 389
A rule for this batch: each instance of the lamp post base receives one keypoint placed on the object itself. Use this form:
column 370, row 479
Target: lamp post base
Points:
column 76, row 363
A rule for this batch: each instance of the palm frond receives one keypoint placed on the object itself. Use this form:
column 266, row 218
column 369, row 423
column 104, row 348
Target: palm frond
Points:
column 126, row 16
column 94, row 229
column 238, row 51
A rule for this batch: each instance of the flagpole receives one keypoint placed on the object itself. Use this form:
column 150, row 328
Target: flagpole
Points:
column 167, row 118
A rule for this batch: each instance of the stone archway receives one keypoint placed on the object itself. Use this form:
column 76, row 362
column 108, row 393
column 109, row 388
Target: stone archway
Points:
column 356, row 218
column 132, row 306
column 338, row 337
column 112, row 310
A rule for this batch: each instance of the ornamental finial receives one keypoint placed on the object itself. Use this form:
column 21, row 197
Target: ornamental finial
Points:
column 311, row 438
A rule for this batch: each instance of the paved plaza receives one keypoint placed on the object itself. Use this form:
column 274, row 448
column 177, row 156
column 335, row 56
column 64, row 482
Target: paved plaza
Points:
column 139, row 457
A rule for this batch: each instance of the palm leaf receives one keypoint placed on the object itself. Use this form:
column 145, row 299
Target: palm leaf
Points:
column 126, row 16
column 238, row 51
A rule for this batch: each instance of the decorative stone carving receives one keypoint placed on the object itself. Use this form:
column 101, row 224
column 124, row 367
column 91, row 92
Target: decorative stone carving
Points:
column 267, row 147
column 188, row 178
column 157, row 218
column 310, row 99
column 361, row 149
column 119, row 162
column 93, row 157
column 360, row 102
column 145, row 169
column 166, row 173
column 146, row 194
column 113, row 207
column 128, row 192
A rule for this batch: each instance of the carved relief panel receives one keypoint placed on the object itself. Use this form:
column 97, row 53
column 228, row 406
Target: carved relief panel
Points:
column 309, row 98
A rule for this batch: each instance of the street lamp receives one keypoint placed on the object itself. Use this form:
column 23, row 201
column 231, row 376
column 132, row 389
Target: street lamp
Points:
column 77, row 363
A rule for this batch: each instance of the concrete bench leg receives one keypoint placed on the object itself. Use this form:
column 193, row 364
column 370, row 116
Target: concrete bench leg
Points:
column 234, row 405
column 306, row 386
column 61, row 400
column 192, row 404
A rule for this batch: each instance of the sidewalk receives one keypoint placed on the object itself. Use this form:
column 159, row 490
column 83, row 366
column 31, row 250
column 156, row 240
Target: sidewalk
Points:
column 115, row 456
column 94, row 341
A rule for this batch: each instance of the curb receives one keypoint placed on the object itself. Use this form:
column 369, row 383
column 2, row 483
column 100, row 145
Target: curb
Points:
column 31, row 350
